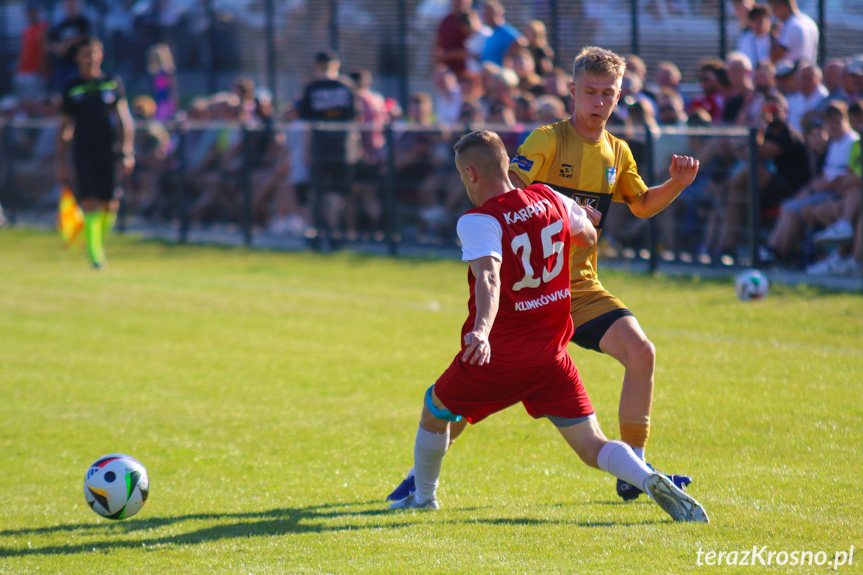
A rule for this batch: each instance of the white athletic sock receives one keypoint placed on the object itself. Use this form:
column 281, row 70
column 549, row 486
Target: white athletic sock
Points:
column 617, row 458
column 639, row 451
column 429, row 450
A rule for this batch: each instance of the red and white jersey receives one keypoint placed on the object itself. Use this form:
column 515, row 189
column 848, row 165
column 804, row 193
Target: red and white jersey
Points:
column 529, row 232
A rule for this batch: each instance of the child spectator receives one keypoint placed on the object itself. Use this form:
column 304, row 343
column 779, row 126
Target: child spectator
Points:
column 756, row 41
column 163, row 74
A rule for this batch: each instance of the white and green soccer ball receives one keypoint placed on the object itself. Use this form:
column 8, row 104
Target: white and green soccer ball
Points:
column 751, row 285
column 116, row 486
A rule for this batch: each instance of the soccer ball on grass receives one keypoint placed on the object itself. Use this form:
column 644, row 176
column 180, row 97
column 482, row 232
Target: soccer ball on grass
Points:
column 751, row 285
column 116, row 486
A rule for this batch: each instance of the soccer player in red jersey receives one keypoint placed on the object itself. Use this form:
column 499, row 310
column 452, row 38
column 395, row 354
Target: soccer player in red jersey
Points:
column 517, row 242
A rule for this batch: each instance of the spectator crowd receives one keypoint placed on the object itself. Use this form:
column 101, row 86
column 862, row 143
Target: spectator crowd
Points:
column 486, row 72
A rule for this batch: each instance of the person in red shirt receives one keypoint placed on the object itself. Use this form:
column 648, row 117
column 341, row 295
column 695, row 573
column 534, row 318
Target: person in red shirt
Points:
column 29, row 78
column 713, row 78
column 517, row 242
column 449, row 41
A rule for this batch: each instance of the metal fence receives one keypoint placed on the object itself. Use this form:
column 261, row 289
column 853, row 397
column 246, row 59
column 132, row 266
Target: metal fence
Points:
column 278, row 187
column 195, row 180
column 273, row 41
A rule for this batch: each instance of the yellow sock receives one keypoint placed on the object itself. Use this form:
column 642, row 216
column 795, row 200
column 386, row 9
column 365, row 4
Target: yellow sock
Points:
column 109, row 218
column 635, row 434
column 93, row 229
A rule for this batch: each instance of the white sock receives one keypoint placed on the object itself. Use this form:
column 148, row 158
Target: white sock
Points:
column 429, row 450
column 639, row 451
column 618, row 458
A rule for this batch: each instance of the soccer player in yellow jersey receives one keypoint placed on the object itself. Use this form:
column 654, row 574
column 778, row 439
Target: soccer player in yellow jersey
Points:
column 579, row 158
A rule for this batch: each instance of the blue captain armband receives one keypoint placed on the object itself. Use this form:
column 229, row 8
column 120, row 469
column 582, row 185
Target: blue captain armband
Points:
column 522, row 162
column 444, row 414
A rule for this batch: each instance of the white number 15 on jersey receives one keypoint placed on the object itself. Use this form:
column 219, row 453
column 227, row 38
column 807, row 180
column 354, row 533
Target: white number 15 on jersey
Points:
column 549, row 249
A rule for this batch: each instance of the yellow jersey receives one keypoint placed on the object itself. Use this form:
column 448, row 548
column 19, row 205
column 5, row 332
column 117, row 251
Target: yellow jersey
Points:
column 592, row 173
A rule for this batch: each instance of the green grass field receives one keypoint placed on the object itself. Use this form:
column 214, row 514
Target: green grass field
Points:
column 274, row 398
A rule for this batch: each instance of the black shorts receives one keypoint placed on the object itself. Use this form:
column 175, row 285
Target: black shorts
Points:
column 96, row 176
column 589, row 334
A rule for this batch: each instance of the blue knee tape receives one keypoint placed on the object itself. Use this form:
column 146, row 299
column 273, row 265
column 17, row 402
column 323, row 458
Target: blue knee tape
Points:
column 444, row 414
column 567, row 421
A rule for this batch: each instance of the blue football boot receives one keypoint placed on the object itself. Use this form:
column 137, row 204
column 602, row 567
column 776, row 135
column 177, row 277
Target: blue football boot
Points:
column 628, row 491
column 405, row 488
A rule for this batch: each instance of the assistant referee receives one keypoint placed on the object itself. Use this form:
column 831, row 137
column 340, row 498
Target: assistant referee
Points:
column 96, row 119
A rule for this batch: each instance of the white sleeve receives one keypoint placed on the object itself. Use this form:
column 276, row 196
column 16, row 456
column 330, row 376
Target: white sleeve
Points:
column 791, row 38
column 577, row 215
column 480, row 236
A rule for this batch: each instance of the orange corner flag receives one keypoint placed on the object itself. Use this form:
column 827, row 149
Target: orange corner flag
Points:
column 70, row 218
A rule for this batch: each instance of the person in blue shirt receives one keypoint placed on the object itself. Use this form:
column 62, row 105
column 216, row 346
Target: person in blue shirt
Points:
column 505, row 40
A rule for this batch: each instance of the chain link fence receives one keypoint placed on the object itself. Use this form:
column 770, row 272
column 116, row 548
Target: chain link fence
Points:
column 223, row 182
column 199, row 180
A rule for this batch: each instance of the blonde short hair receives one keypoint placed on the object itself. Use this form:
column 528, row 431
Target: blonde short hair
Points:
column 597, row 61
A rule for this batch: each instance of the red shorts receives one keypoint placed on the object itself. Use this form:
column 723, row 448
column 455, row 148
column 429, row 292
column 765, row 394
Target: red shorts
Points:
column 474, row 392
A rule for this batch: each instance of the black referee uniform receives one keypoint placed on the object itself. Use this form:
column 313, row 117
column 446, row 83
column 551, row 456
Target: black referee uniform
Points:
column 92, row 104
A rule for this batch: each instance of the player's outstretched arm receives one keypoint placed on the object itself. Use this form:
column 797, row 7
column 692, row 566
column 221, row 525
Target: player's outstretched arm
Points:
column 683, row 170
column 487, row 293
